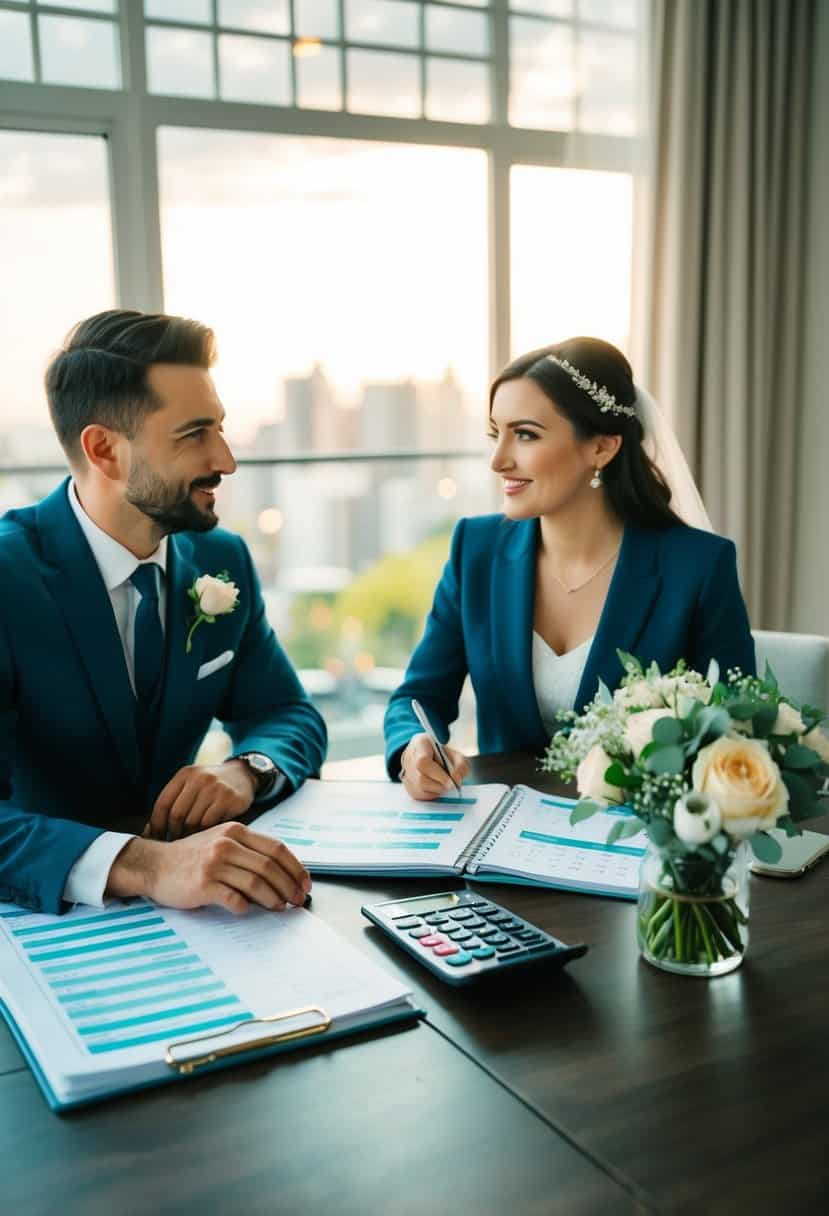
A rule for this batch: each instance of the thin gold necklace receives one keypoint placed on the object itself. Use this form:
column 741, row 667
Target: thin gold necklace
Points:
column 578, row 587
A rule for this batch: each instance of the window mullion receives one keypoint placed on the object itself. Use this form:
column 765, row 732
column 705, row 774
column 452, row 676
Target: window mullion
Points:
column 134, row 177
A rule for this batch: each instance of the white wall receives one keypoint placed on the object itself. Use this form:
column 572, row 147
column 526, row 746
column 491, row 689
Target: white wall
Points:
column 810, row 606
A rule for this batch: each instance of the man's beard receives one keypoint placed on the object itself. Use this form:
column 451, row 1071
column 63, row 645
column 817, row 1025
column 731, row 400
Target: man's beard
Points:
column 170, row 506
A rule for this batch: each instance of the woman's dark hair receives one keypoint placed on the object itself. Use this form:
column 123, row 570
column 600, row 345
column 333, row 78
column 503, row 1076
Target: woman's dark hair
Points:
column 100, row 374
column 635, row 488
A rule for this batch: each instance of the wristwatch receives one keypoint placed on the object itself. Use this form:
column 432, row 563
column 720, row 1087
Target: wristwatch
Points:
column 263, row 769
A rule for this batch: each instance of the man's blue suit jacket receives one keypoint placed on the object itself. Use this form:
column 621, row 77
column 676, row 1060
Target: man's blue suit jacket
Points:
column 71, row 760
column 674, row 594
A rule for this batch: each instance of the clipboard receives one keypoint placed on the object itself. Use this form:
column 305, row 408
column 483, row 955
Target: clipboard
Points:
column 324, row 1030
column 103, row 1003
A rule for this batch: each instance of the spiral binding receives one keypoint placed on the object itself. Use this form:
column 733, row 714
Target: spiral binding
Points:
column 493, row 829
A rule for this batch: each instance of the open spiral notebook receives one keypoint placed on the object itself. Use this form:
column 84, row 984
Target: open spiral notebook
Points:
column 489, row 832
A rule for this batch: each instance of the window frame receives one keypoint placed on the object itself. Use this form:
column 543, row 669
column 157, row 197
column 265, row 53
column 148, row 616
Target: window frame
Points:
column 129, row 119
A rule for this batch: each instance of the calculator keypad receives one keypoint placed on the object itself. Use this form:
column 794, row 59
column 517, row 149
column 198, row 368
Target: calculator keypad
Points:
column 475, row 932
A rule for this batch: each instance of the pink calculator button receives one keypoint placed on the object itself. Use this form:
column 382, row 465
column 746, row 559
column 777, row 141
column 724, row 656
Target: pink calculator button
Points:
column 446, row 948
column 433, row 939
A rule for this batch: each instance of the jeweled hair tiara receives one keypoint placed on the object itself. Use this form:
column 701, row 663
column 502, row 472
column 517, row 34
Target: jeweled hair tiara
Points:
column 604, row 399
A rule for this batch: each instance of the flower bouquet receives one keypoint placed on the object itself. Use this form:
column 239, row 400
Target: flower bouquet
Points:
column 705, row 766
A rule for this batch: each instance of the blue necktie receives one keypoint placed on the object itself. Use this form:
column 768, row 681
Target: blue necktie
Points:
column 149, row 638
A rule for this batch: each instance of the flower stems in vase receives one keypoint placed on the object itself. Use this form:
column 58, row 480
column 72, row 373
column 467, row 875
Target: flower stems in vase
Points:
column 702, row 931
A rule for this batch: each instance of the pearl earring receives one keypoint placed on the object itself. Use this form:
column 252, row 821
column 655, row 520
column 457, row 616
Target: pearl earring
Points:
column 596, row 479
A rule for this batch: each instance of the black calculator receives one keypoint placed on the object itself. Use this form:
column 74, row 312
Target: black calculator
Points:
column 462, row 938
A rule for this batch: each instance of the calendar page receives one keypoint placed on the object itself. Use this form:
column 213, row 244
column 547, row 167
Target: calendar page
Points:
column 535, row 842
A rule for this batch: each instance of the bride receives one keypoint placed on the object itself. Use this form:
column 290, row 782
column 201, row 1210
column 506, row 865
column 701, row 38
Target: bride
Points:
column 603, row 544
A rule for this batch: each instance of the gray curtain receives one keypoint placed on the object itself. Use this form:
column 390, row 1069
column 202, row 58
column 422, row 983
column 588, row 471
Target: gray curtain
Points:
column 722, row 236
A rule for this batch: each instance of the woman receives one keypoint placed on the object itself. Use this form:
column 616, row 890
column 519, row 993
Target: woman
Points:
column 593, row 553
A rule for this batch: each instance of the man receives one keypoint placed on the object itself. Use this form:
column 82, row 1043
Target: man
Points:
column 114, row 660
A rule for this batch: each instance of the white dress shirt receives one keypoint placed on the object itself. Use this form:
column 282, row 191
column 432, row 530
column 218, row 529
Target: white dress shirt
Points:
column 87, row 880
column 556, row 678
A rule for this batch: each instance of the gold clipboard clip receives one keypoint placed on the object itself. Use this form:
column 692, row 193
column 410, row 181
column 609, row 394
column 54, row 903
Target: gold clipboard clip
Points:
column 185, row 1067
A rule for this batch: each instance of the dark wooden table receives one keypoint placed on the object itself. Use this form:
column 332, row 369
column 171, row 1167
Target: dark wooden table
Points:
column 705, row 1096
column 609, row 1087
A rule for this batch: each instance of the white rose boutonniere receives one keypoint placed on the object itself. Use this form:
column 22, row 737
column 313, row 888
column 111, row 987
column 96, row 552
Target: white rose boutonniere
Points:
column 212, row 595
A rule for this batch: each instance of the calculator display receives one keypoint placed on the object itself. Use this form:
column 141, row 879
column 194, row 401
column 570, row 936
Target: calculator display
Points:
column 435, row 903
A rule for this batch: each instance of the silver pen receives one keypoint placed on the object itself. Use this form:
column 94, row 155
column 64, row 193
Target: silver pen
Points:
column 442, row 757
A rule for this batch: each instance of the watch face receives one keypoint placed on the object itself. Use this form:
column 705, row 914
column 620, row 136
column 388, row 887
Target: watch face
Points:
column 261, row 763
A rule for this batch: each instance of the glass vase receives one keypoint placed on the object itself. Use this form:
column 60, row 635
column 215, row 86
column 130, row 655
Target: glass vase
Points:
column 693, row 915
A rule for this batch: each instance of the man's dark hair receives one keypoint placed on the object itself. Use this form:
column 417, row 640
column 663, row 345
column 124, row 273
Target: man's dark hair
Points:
column 100, row 373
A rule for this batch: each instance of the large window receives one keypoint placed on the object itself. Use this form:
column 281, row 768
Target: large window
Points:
column 398, row 57
column 571, row 255
column 357, row 268
column 56, row 255
column 375, row 204
column 74, row 42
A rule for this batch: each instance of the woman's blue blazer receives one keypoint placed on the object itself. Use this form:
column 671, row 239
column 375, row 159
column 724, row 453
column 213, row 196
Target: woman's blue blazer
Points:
column 674, row 594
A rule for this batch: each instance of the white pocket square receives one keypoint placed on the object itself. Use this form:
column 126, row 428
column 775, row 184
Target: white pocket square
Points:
column 216, row 664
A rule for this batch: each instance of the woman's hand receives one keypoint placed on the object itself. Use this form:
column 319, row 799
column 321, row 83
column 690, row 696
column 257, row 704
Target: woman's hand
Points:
column 422, row 774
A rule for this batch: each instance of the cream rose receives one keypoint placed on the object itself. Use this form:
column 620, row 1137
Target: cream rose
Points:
column 818, row 743
column 639, row 728
column 788, row 720
column 740, row 775
column 216, row 597
column 590, row 780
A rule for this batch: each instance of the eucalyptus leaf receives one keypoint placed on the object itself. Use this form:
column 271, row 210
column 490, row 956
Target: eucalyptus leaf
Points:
column 720, row 844
column 660, row 831
column 764, row 719
column 765, row 847
column 743, row 709
column 713, row 721
column 616, row 775
column 800, row 757
column 615, row 832
column 583, row 810
column 666, row 760
column 667, row 730
column 631, row 827
column 802, row 801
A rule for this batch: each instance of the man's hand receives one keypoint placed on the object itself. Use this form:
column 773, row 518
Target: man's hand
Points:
column 199, row 797
column 228, row 865
column 423, row 776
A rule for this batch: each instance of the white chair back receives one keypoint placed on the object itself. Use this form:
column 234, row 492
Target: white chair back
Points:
column 801, row 663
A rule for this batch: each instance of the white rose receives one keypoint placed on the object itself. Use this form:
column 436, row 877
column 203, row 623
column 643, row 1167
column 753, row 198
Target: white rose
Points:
column 788, row 720
column 216, row 597
column 639, row 728
column 818, row 743
column 697, row 818
column 672, row 687
column 745, row 782
column 640, row 693
column 590, row 780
